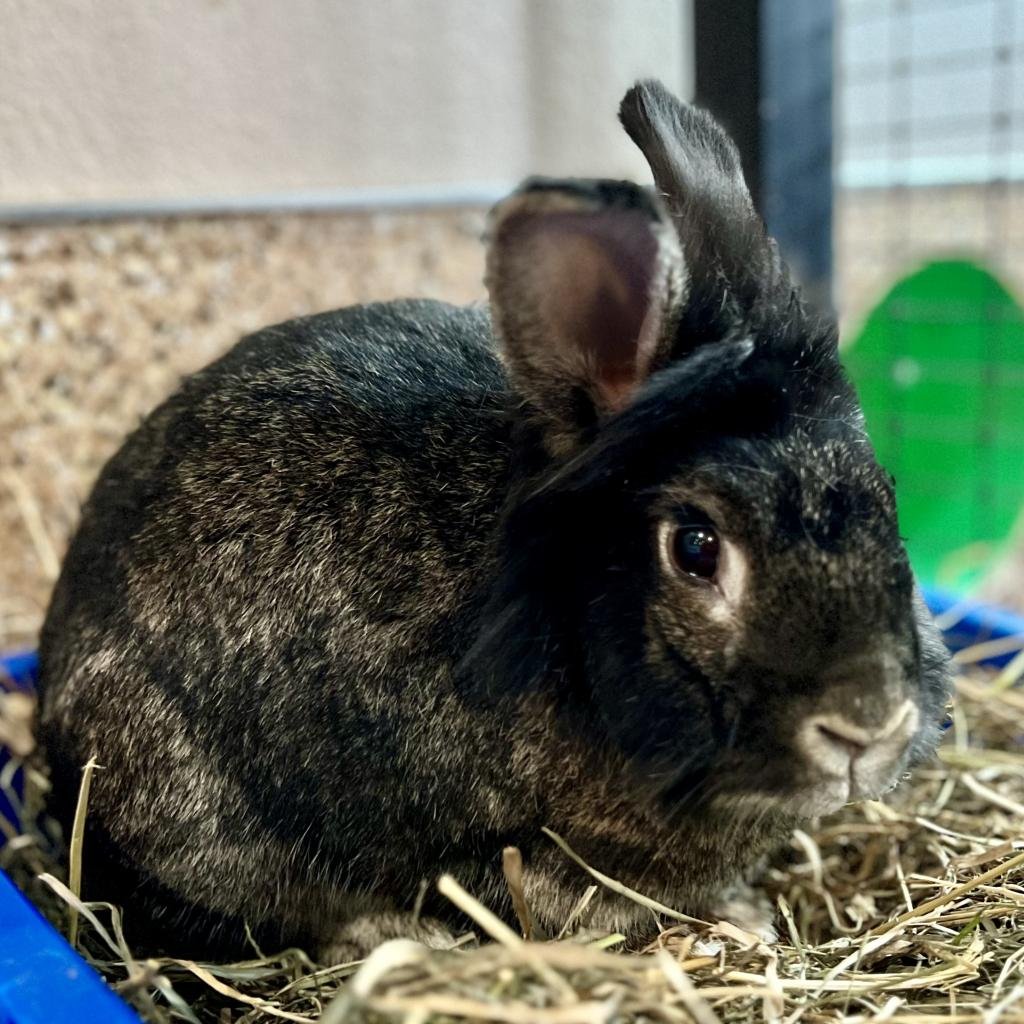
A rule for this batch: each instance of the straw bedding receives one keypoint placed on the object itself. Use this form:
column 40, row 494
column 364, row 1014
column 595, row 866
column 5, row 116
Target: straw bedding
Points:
column 911, row 910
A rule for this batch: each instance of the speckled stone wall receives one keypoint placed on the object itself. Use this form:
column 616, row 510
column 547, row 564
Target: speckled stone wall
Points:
column 883, row 234
column 99, row 321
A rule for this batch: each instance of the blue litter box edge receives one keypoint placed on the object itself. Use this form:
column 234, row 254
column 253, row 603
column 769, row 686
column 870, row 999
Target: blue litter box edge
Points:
column 42, row 979
column 973, row 622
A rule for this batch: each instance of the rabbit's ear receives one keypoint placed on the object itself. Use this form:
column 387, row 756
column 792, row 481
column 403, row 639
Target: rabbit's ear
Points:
column 691, row 156
column 586, row 282
column 698, row 175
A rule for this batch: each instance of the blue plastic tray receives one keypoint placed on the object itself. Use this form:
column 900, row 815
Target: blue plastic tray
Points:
column 975, row 623
column 21, row 669
column 42, row 979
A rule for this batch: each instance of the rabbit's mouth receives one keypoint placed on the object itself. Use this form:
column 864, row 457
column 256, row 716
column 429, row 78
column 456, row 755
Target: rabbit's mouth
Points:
column 830, row 795
column 840, row 763
column 846, row 762
column 825, row 796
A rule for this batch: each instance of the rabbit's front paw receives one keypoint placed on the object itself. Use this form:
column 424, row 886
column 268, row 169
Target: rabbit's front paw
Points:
column 741, row 905
column 357, row 938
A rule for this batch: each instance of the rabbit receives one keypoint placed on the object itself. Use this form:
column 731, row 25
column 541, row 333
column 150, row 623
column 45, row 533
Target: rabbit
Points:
column 384, row 590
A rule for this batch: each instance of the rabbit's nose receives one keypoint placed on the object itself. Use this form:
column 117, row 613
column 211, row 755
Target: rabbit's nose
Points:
column 840, row 748
column 845, row 737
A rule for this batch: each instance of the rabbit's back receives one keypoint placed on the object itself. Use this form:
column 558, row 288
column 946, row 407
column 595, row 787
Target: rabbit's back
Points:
column 267, row 580
column 355, row 457
column 368, row 441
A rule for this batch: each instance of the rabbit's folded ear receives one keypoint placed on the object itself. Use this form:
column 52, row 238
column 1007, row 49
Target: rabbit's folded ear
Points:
column 586, row 281
column 696, row 166
column 692, row 158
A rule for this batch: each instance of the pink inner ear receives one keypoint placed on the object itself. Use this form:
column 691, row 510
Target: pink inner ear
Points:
column 600, row 270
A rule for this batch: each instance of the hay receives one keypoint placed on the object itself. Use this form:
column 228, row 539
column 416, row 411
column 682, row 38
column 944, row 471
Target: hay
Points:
column 909, row 911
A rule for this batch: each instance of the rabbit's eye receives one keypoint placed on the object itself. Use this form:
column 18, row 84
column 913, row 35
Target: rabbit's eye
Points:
column 695, row 550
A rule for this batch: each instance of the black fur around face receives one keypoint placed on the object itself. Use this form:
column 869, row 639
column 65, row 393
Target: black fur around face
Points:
column 768, row 434
column 386, row 589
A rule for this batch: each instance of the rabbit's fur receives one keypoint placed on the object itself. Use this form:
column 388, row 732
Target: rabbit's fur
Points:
column 386, row 589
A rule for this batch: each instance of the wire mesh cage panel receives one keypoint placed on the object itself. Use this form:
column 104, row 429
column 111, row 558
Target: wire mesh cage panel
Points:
column 929, row 248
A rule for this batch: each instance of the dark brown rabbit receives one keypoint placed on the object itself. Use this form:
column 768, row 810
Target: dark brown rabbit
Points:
column 386, row 589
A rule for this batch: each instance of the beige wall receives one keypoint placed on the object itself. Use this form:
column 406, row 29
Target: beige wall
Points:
column 167, row 100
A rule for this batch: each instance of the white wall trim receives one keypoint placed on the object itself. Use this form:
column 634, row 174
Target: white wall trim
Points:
column 923, row 171
column 478, row 194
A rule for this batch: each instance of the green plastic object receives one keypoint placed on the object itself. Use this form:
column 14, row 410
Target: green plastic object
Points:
column 939, row 365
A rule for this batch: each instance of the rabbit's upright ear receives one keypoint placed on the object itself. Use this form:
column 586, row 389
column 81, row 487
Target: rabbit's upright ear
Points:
column 698, row 175
column 586, row 282
column 692, row 158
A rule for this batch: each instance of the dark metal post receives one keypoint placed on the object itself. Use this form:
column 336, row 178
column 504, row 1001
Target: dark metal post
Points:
column 796, row 136
column 765, row 68
column 727, row 37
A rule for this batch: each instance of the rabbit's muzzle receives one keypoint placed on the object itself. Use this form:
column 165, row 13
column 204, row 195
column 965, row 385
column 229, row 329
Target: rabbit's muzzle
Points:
column 855, row 743
column 852, row 762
